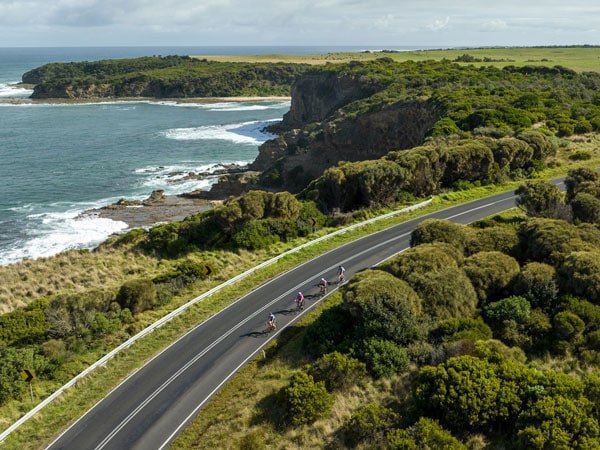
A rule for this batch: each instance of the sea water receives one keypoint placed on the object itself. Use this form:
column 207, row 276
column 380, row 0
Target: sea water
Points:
column 58, row 160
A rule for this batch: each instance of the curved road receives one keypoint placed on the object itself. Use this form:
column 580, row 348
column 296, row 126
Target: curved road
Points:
column 155, row 403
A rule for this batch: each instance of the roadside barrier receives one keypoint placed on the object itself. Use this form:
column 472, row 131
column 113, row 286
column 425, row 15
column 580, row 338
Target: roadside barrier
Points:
column 149, row 329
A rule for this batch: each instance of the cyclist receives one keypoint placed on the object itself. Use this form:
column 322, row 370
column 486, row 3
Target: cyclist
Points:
column 300, row 300
column 271, row 324
column 323, row 286
column 341, row 274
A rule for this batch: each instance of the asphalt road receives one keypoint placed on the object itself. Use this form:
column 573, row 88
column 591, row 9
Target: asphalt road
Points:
column 154, row 404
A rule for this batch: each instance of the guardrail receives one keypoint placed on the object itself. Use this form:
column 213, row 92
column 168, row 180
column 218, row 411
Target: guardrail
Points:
column 149, row 329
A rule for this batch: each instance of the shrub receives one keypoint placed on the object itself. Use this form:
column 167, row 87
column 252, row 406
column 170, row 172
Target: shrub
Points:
column 426, row 433
column 383, row 306
column 580, row 155
column 383, row 358
column 495, row 238
column 491, row 273
column 369, row 425
column 137, row 295
column 445, row 293
column 254, row 235
column 511, row 308
column 306, row 400
column 539, row 198
column 337, row 371
column 329, row 331
column 585, row 208
column 436, row 230
column 422, row 259
column 538, row 283
column 25, row 325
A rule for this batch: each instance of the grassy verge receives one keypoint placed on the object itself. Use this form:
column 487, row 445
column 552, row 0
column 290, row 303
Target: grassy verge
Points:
column 39, row 431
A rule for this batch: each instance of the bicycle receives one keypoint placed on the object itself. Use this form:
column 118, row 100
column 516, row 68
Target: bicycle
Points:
column 323, row 289
column 300, row 304
column 270, row 327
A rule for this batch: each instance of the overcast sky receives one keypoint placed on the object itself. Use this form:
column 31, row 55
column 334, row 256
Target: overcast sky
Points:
column 372, row 24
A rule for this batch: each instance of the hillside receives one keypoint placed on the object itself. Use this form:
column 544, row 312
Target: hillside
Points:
column 361, row 137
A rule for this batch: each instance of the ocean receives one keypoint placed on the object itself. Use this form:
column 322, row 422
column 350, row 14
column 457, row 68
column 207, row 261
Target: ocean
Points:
column 58, row 160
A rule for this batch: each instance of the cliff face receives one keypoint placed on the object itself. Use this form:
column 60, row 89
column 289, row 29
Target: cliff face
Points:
column 318, row 132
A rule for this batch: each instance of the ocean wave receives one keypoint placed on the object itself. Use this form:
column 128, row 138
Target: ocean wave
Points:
column 240, row 133
column 10, row 90
column 51, row 233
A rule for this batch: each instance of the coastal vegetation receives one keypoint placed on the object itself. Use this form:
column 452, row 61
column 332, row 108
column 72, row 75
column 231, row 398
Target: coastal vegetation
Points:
column 161, row 77
column 476, row 337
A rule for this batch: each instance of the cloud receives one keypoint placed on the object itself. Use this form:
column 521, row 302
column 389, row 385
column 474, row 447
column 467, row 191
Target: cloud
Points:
column 439, row 24
column 494, row 25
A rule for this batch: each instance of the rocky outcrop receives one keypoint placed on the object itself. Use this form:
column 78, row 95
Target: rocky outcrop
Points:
column 318, row 132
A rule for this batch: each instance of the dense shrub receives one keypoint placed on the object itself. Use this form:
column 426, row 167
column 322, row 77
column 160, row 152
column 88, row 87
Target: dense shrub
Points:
column 455, row 329
column 137, row 295
column 383, row 357
column 25, row 325
column 538, row 283
column 558, row 422
column 331, row 331
column 513, row 308
column 580, row 275
column 383, row 306
column 491, row 273
column 306, row 400
column 337, row 370
column 426, row 433
column 422, row 259
column 369, row 425
column 540, row 198
column 585, row 208
column 436, row 230
column 446, row 293
column 495, row 238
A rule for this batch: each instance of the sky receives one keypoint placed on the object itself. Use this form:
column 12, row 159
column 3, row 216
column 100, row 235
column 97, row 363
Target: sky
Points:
column 368, row 24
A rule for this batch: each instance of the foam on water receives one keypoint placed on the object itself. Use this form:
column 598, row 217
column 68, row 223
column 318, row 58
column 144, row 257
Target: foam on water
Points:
column 241, row 133
column 52, row 233
column 11, row 90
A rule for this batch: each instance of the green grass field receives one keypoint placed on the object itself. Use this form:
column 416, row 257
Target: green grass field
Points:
column 580, row 59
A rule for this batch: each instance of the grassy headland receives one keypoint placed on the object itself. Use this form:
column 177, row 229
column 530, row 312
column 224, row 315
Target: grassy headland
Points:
column 578, row 58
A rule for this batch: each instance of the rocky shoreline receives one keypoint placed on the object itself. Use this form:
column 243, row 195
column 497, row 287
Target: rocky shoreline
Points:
column 160, row 208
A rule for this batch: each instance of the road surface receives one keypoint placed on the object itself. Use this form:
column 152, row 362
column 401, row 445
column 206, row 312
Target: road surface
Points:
column 154, row 404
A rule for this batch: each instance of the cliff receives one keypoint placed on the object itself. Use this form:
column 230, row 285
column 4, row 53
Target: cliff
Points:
column 328, row 122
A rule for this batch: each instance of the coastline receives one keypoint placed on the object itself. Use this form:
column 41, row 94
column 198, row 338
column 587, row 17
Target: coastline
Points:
column 201, row 100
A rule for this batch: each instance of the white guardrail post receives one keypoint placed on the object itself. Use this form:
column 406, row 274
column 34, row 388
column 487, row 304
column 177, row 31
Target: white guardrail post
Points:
column 102, row 361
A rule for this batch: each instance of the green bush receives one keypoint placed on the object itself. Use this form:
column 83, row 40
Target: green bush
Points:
column 25, row 325
column 510, row 308
column 368, row 426
column 539, row 198
column 383, row 306
column 538, row 283
column 586, row 208
column 455, row 329
column 331, row 331
column 580, row 275
column 383, row 358
column 494, row 238
column 491, row 274
column 437, row 230
column 558, row 423
column 426, row 433
column 337, row 370
column 137, row 295
column 306, row 400
column 422, row 259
